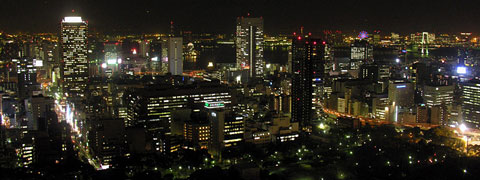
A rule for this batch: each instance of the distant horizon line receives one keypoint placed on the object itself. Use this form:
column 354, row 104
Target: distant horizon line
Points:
column 131, row 32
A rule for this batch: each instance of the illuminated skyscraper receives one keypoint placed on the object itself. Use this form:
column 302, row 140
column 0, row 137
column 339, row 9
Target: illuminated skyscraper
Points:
column 471, row 103
column 308, row 68
column 249, row 45
column 74, row 56
column 175, row 55
column 400, row 98
column 438, row 95
column 361, row 53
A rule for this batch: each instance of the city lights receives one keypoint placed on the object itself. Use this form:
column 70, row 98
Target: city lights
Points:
column 461, row 70
column 72, row 19
column 136, row 92
column 463, row 128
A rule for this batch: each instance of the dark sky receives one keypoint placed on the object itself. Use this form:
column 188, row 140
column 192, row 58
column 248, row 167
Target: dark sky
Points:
column 280, row 16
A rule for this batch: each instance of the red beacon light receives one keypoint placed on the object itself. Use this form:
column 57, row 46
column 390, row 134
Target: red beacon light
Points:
column 324, row 43
column 299, row 38
column 314, row 42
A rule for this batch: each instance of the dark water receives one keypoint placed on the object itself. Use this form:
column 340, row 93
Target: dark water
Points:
column 226, row 54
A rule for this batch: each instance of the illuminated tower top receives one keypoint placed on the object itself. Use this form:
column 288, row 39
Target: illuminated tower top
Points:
column 74, row 56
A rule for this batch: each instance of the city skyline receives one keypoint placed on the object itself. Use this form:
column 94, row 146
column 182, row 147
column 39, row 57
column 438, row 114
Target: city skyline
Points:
column 115, row 92
column 215, row 17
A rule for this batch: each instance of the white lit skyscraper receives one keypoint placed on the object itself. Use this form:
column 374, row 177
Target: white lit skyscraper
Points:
column 74, row 56
column 249, row 45
column 175, row 55
column 471, row 103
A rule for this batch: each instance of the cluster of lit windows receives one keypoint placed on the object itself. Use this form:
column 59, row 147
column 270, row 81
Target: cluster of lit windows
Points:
column 286, row 138
column 471, row 104
column 74, row 36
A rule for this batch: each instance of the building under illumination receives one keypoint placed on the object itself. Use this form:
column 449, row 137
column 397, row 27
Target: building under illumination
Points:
column 471, row 103
column 249, row 45
column 152, row 107
column 438, row 95
column 175, row 55
column 74, row 62
column 400, row 98
column 197, row 132
column 227, row 130
column 361, row 52
column 307, row 66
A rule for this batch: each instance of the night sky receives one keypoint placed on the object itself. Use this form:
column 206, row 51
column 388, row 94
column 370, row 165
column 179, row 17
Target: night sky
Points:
column 136, row 16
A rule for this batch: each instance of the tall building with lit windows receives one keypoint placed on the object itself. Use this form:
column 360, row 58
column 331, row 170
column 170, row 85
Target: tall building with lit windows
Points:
column 471, row 103
column 151, row 108
column 249, row 45
column 74, row 62
column 175, row 55
column 438, row 95
column 197, row 132
column 307, row 76
column 227, row 130
column 400, row 98
column 361, row 53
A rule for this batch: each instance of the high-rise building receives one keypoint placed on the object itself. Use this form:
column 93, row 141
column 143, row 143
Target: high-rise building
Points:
column 307, row 66
column 144, row 48
column 74, row 62
column 361, row 52
column 152, row 107
column 112, row 58
column 471, row 103
column 107, row 139
column 175, row 56
column 249, row 45
column 227, row 130
column 27, row 77
column 197, row 132
column 439, row 115
column 39, row 111
column 400, row 98
column 438, row 95
column 422, row 114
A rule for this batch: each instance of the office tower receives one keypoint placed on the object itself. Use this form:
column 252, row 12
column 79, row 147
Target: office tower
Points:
column 74, row 56
column 249, row 45
column 27, row 77
column 111, row 58
column 439, row 115
column 361, row 53
column 374, row 72
column 144, row 48
column 107, row 140
column 438, row 95
column 227, row 130
column 422, row 114
column 157, row 56
column 175, row 55
column 197, row 131
column 419, row 74
column 40, row 112
column 380, row 106
column 152, row 107
column 307, row 66
column 400, row 98
column 471, row 103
